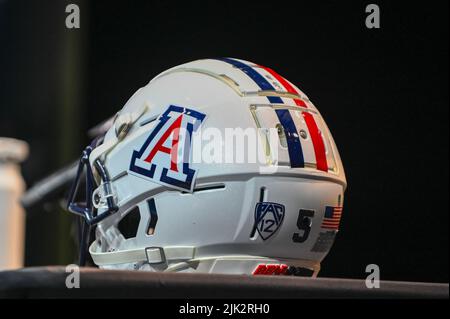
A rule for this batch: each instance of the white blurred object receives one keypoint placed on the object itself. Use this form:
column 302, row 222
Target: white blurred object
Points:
column 12, row 216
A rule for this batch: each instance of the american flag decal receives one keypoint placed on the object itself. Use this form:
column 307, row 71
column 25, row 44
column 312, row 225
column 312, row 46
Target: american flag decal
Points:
column 332, row 217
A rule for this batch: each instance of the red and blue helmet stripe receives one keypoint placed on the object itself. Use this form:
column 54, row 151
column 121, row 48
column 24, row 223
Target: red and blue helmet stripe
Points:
column 294, row 145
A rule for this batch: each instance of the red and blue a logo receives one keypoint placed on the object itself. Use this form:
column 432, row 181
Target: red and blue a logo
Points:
column 165, row 156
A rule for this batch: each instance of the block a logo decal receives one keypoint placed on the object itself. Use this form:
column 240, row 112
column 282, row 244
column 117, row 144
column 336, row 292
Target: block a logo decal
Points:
column 164, row 158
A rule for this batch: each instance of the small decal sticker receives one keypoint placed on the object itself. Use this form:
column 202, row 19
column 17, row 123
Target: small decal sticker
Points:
column 332, row 217
column 268, row 218
column 281, row 270
column 270, row 269
column 330, row 226
column 324, row 242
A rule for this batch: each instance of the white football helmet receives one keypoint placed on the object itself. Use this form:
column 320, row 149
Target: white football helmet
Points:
column 216, row 166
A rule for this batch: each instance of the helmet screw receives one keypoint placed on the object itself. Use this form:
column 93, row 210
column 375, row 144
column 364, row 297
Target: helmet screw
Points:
column 303, row 134
column 122, row 130
column 96, row 199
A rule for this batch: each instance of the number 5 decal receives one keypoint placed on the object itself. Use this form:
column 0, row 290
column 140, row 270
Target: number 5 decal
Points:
column 304, row 222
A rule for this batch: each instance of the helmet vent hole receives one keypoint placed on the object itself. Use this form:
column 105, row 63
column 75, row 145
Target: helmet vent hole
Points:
column 209, row 188
column 129, row 224
column 153, row 217
column 262, row 198
column 262, row 194
column 206, row 188
column 149, row 120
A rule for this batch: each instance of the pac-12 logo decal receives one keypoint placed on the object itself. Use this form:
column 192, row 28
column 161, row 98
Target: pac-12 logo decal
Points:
column 268, row 218
column 165, row 156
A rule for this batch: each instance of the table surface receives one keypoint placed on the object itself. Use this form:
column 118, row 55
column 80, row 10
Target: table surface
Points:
column 50, row 282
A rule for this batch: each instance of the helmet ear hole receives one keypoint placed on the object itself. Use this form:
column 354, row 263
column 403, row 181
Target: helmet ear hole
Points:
column 129, row 224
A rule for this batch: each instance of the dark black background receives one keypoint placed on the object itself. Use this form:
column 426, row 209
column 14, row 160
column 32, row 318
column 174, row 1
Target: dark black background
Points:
column 383, row 93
